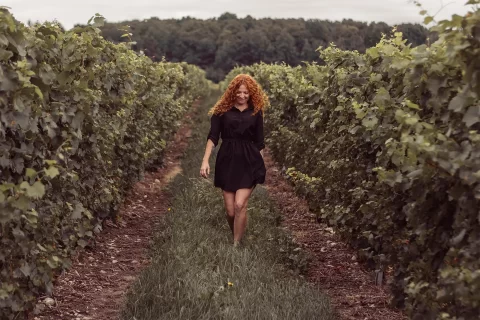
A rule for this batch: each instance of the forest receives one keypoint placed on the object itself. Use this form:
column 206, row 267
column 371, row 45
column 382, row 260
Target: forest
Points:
column 218, row 45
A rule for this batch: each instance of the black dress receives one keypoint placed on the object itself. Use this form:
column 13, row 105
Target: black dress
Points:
column 239, row 163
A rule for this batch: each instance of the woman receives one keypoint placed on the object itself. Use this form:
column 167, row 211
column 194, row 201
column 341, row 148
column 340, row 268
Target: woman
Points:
column 238, row 119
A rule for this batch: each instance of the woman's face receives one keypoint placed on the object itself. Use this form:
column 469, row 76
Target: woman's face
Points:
column 242, row 95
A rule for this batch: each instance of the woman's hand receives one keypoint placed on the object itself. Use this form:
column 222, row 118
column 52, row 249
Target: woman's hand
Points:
column 205, row 169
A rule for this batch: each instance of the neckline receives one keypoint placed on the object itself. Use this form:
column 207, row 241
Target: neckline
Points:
column 248, row 107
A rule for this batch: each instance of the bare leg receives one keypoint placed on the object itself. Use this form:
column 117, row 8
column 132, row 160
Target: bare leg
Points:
column 240, row 224
column 229, row 199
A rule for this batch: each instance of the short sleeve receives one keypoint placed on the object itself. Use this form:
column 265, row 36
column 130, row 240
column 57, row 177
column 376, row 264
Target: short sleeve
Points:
column 214, row 133
column 259, row 135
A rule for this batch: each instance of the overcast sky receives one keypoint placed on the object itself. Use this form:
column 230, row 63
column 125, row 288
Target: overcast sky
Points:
column 69, row 12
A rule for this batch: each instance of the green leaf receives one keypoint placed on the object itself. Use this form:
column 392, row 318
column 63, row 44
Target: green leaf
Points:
column 24, row 185
column 78, row 120
column 411, row 120
column 98, row 21
column 3, row 40
column 33, row 212
column 6, row 186
column 375, row 77
column 32, row 219
column 370, row 122
column 47, row 74
column 415, row 173
column 5, row 55
column 36, row 191
column 389, row 49
column 389, row 177
column 400, row 115
column 63, row 77
column 2, row 197
column 88, row 214
column 373, row 52
column 18, row 233
column 423, row 12
column 52, row 263
column 458, row 238
column 3, row 294
column 18, row 103
column 22, row 119
column 30, row 173
column 52, row 172
column 399, row 63
column 398, row 157
column 472, row 116
column 26, row 269
column 23, row 203
column 77, row 212
column 434, row 85
column 457, row 21
column 457, row 104
column 427, row 20
column 381, row 97
column 411, row 105
column 39, row 92
column 82, row 243
column 360, row 113
column 4, row 162
column 441, row 137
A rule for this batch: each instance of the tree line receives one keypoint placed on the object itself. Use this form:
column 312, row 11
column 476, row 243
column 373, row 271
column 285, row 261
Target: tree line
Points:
column 219, row 44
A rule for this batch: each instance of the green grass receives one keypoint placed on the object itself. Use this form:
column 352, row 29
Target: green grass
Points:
column 193, row 259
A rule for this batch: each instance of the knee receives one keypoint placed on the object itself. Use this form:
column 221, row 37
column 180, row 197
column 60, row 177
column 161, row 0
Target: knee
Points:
column 231, row 213
column 239, row 206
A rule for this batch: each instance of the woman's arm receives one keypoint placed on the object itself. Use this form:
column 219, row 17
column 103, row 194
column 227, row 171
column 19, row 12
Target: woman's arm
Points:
column 208, row 150
column 205, row 168
column 259, row 135
column 212, row 141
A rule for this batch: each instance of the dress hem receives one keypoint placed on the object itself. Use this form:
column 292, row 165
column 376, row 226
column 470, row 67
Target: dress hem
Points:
column 251, row 186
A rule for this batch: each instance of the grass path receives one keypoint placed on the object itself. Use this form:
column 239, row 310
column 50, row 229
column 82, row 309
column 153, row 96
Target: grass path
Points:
column 195, row 273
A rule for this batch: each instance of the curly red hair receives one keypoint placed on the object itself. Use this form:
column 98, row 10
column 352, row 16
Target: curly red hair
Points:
column 257, row 96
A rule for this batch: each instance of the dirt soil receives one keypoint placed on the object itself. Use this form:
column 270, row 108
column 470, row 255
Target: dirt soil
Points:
column 333, row 264
column 96, row 284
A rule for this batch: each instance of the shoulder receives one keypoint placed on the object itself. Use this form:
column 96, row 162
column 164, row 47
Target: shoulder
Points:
column 259, row 113
column 216, row 117
column 219, row 114
column 225, row 112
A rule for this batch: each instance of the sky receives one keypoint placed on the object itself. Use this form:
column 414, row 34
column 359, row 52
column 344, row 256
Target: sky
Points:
column 70, row 12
